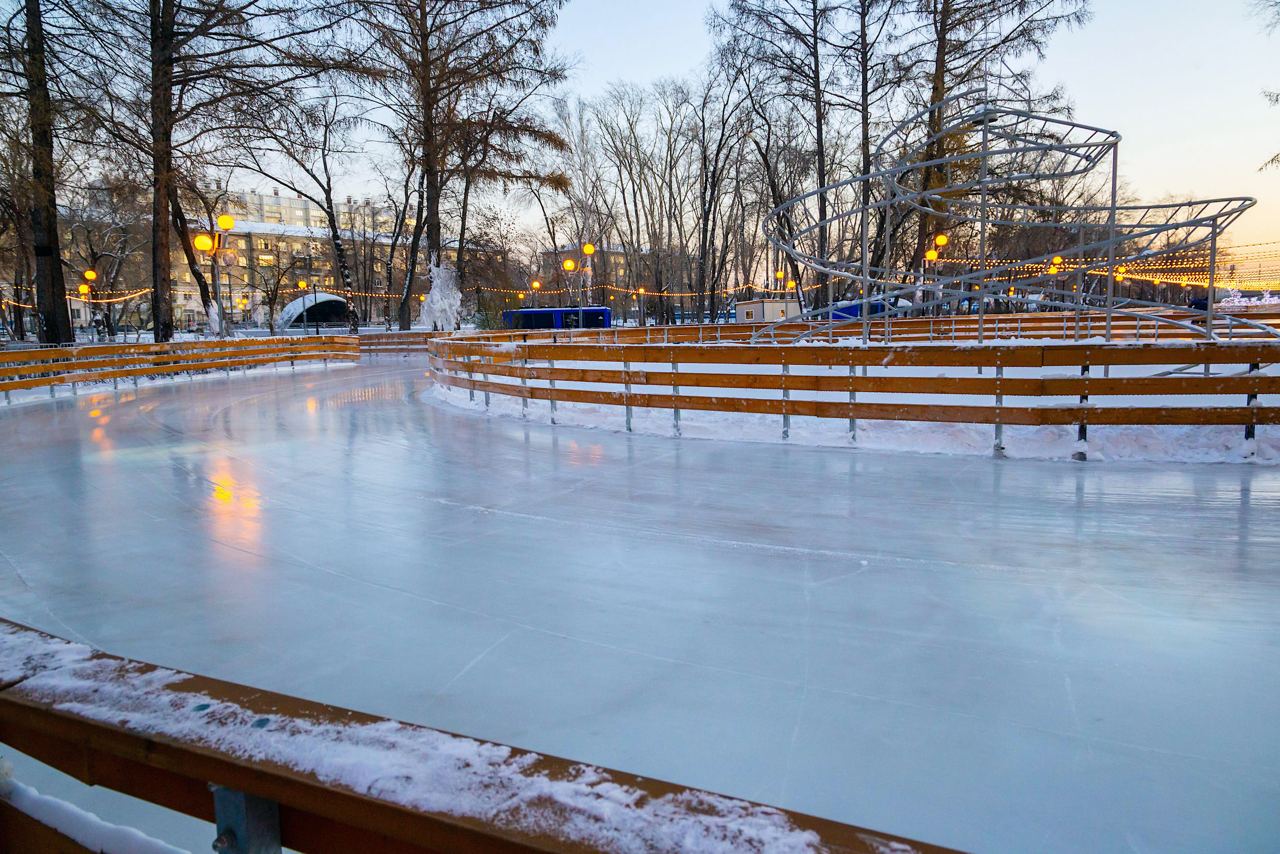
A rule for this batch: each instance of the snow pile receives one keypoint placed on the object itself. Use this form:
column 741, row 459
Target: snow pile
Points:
column 418, row 768
column 69, row 820
column 443, row 304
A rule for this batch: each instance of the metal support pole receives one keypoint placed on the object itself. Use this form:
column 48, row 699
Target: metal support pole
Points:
column 488, row 360
column 471, row 391
column 524, row 385
column 853, row 399
column 998, row 448
column 675, row 392
column 626, row 388
column 786, row 395
column 1081, row 453
column 1213, row 265
column 551, row 383
column 1251, row 400
column 245, row 824
column 1111, row 235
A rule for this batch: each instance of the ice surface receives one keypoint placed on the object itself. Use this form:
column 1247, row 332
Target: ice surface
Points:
column 1004, row 656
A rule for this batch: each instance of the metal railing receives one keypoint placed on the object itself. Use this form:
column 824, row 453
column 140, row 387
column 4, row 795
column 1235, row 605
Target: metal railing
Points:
column 972, row 174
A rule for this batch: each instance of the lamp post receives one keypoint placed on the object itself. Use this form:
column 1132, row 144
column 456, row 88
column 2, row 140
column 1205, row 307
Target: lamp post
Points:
column 83, row 289
column 304, row 286
column 210, row 244
column 643, row 320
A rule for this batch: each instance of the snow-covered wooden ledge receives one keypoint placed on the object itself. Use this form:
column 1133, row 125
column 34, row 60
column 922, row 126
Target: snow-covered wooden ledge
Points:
column 339, row 780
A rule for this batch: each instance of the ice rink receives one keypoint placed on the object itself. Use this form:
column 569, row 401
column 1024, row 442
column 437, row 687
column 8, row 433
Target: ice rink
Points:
column 996, row 655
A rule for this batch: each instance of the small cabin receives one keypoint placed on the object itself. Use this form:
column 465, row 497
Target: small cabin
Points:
column 764, row 310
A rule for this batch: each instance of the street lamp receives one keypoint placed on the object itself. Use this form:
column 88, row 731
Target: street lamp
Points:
column 643, row 320
column 210, row 244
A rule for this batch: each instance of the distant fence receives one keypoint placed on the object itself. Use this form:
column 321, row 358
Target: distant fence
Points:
column 59, row 366
column 1060, row 383
column 318, row 778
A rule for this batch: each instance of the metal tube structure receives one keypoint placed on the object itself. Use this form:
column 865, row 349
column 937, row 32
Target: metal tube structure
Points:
column 990, row 192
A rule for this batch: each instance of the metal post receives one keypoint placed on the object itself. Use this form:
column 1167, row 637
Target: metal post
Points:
column 551, row 382
column 853, row 399
column 524, row 384
column 675, row 392
column 998, row 448
column 626, row 388
column 1251, row 400
column 471, row 390
column 1081, row 453
column 1213, row 265
column 786, row 395
column 1111, row 237
column 245, row 824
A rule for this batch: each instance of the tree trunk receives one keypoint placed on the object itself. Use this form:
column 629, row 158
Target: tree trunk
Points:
column 161, row 13
column 50, row 290
column 819, row 118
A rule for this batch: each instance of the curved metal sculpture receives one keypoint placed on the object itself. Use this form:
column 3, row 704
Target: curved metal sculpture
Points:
column 1073, row 256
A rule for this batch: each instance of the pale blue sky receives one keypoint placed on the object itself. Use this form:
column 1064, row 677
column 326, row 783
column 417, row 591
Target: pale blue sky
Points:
column 1182, row 80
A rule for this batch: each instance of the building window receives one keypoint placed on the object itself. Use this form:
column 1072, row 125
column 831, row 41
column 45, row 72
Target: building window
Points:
column 266, row 260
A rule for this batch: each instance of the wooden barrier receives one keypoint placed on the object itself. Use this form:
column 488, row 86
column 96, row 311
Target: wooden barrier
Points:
column 537, row 366
column 396, row 342
column 54, row 366
column 167, row 737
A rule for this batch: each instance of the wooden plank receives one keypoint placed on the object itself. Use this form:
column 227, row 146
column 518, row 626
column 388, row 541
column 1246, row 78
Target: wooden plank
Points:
column 181, row 367
column 1016, row 415
column 986, row 385
column 20, row 832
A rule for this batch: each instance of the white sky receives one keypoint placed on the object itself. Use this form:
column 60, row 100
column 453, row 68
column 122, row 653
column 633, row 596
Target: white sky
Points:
column 1182, row 80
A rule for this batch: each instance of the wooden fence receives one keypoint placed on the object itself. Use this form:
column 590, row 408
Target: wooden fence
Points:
column 1060, row 383
column 85, row 713
column 41, row 367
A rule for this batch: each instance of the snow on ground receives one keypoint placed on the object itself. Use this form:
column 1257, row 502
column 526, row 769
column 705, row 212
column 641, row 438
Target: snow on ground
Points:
column 418, row 768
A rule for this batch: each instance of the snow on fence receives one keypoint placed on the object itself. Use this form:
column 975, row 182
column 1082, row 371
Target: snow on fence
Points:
column 1025, row 383
column 313, row 777
column 50, row 367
